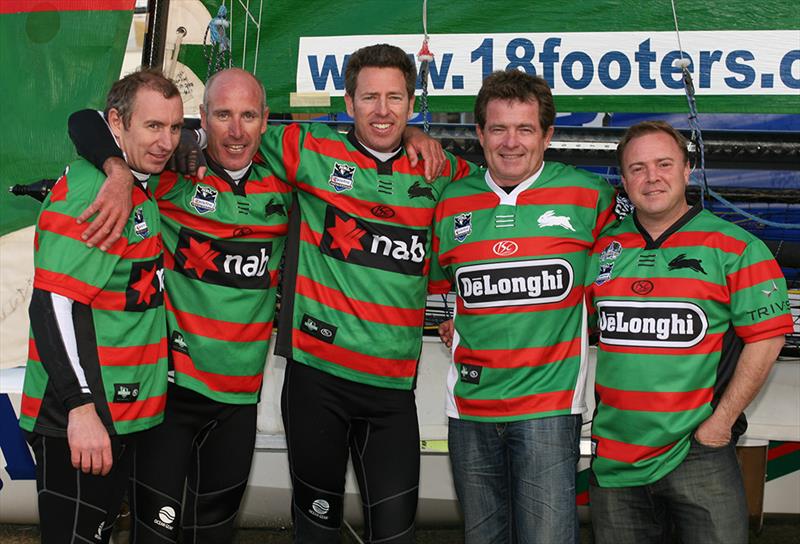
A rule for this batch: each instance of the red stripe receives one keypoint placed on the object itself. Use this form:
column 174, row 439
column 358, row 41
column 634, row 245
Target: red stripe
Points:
column 457, row 204
column 31, row 6
column 627, row 453
column 134, row 355
column 217, row 382
column 533, row 246
column 515, row 358
column 368, row 311
column 627, row 239
column 755, row 274
column 166, row 181
column 559, row 196
column 463, row 169
column 65, row 285
column 219, row 229
column 291, row 151
column 776, row 326
column 60, row 190
column 783, row 449
column 30, row 406
column 710, row 344
column 574, row 298
column 336, row 149
column 529, row 404
column 715, row 240
column 654, row 401
column 127, row 411
column 220, row 330
column 403, row 215
column 439, row 287
column 369, row 364
column 109, row 300
column 33, row 352
column 681, row 288
column 582, row 498
column 605, row 218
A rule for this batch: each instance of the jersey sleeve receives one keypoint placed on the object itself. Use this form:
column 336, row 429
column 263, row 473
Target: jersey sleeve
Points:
column 280, row 150
column 63, row 263
column 759, row 298
column 439, row 280
column 460, row 168
column 607, row 209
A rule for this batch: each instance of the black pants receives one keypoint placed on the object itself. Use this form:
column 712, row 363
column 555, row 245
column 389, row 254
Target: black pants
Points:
column 204, row 445
column 74, row 506
column 326, row 418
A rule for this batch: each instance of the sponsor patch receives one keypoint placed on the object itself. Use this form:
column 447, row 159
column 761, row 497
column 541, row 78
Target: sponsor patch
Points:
column 462, row 226
column 662, row 324
column 505, row 248
column 145, row 285
column 607, row 258
column 139, row 224
column 178, row 343
column 768, row 292
column 471, row 374
column 320, row 508
column 126, row 392
column 419, row 190
column 341, row 178
column 204, row 199
column 374, row 245
column 384, row 212
column 515, row 283
column 642, row 287
column 550, row 219
column 165, row 517
column 318, row 329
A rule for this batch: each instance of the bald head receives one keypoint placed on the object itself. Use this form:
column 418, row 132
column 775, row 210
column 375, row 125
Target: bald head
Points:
column 235, row 77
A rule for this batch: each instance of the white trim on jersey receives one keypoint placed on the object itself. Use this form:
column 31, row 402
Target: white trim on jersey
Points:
column 510, row 199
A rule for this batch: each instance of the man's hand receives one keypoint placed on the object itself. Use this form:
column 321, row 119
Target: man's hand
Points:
column 112, row 206
column 419, row 143
column 713, row 433
column 446, row 330
column 188, row 158
column 89, row 444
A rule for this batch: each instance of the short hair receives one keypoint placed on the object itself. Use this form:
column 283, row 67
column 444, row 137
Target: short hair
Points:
column 519, row 86
column 651, row 127
column 214, row 77
column 381, row 55
column 123, row 92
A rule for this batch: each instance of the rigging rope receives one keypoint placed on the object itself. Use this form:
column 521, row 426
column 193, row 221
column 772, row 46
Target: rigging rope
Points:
column 697, row 139
column 425, row 57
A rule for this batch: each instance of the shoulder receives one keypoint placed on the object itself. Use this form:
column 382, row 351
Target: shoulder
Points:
column 568, row 175
column 472, row 184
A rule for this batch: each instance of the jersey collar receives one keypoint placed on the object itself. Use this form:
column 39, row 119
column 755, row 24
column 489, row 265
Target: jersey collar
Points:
column 676, row 226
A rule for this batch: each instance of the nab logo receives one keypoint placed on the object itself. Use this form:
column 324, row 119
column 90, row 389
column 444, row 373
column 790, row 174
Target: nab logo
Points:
column 418, row 191
column 682, row 262
column 375, row 245
column 232, row 263
column 145, row 285
column 505, row 248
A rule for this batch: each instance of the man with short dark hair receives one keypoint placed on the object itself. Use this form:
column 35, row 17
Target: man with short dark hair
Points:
column 96, row 375
column 515, row 241
column 692, row 312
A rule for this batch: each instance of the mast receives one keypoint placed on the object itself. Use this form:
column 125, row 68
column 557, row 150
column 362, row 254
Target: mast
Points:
column 155, row 35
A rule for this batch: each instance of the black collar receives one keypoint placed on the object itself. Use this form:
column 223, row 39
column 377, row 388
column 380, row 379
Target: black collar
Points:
column 655, row 244
column 384, row 167
column 221, row 173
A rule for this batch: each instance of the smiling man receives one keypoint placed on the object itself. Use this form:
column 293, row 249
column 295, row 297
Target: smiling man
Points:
column 515, row 242
column 692, row 312
column 96, row 375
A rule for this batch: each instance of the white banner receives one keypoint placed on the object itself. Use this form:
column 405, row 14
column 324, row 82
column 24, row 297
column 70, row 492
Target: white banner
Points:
column 765, row 62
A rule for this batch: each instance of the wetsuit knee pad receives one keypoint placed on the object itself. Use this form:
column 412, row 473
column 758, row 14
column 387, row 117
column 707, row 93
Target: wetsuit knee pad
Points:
column 317, row 506
column 156, row 517
column 213, row 508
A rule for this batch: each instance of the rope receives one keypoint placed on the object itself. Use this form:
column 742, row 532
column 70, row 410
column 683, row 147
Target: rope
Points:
column 425, row 56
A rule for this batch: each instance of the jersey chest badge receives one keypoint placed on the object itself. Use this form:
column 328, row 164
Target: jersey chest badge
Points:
column 462, row 226
column 607, row 258
column 139, row 224
column 341, row 178
column 204, row 199
column 550, row 219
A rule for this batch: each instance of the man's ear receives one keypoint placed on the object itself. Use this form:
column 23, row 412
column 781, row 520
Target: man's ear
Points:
column 115, row 122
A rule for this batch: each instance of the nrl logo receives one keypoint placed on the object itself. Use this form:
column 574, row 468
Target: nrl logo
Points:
column 462, row 226
column 204, row 199
column 550, row 219
column 341, row 178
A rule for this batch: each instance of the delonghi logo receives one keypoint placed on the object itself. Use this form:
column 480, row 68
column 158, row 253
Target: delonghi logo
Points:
column 320, row 508
column 238, row 263
column 166, row 516
column 375, row 245
column 514, row 284
column 504, row 248
column 651, row 324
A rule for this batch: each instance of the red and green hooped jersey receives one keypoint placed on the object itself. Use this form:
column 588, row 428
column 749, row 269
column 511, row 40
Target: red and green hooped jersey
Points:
column 518, row 263
column 353, row 299
column 119, row 328
column 672, row 315
column 224, row 244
